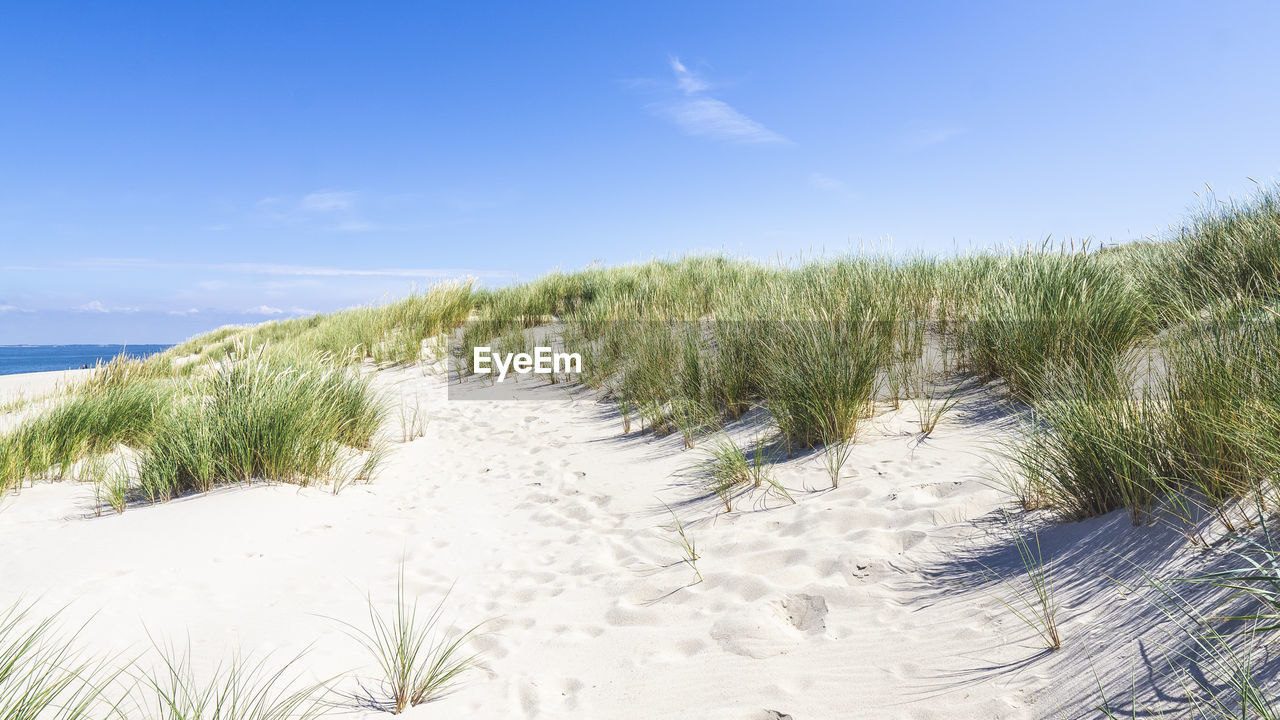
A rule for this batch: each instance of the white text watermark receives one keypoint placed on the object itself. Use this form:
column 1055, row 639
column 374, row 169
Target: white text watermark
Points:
column 543, row 361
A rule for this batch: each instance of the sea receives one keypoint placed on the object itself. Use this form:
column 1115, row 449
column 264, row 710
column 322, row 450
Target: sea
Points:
column 41, row 358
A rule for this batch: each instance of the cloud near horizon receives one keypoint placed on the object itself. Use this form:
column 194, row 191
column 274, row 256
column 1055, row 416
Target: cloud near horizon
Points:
column 96, row 306
column 700, row 114
column 270, row 310
column 195, row 294
column 249, row 268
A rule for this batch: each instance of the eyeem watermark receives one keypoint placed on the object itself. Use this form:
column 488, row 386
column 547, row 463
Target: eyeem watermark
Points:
column 543, row 361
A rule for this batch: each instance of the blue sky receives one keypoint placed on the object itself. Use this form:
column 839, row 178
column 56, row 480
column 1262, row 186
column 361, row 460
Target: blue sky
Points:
column 168, row 168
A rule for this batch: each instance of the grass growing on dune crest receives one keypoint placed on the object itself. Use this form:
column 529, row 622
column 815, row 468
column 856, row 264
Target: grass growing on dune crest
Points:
column 1031, row 312
column 278, row 401
column 686, row 346
column 392, row 333
column 1203, row 423
column 689, row 345
column 259, row 418
column 253, row 416
column 1148, row 374
column 121, row 403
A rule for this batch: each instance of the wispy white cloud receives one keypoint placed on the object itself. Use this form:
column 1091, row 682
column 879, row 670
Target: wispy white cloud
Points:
column 688, row 83
column 697, row 113
column 327, row 200
column 184, row 313
column 8, row 308
column 96, row 306
column 270, row 310
column 715, row 118
column 322, row 271
column 115, row 264
column 329, row 210
column 112, row 263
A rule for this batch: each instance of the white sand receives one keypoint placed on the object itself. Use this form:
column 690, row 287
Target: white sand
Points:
column 15, row 389
column 23, row 394
column 853, row 603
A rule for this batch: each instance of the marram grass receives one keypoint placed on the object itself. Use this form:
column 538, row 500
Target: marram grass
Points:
column 260, row 418
column 418, row 661
column 1147, row 364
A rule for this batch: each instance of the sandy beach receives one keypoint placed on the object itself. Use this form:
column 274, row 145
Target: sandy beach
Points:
column 27, row 386
column 541, row 519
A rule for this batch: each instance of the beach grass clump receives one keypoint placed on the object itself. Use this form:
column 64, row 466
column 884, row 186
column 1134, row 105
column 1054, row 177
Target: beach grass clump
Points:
column 121, row 403
column 648, row 364
column 1091, row 445
column 257, row 417
column 929, row 401
column 726, row 469
column 684, row 541
column 418, row 660
column 1032, row 596
column 278, row 401
column 1225, row 250
column 240, row 689
column 821, row 376
column 1222, row 396
column 407, row 323
column 42, row 675
column 1024, row 313
column 687, row 345
column 1199, row 424
column 738, row 372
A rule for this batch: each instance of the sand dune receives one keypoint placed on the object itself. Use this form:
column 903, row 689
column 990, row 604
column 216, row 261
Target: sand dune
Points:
column 866, row 601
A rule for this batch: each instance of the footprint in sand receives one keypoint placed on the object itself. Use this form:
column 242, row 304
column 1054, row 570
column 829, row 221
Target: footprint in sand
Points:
column 530, row 701
column 569, row 691
column 770, row 628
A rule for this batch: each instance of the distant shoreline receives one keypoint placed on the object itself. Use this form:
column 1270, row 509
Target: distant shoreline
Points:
column 20, row 359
